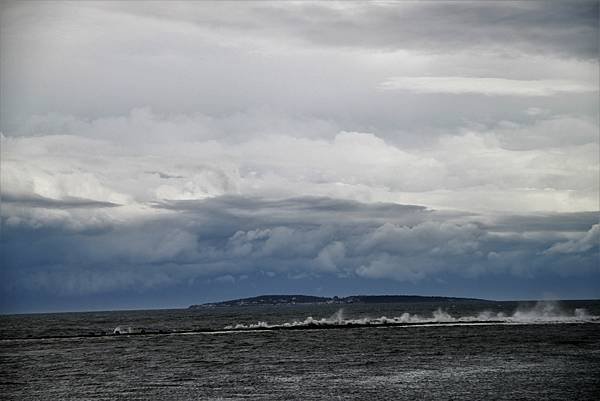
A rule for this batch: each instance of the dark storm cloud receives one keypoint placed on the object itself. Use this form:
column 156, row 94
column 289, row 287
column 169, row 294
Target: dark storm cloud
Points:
column 547, row 222
column 309, row 210
column 37, row 201
column 300, row 237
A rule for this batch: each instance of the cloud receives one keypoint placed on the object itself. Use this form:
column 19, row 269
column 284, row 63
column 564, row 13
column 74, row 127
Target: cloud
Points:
column 550, row 165
column 320, row 68
column 568, row 29
column 556, row 132
column 585, row 242
column 485, row 86
column 224, row 142
column 36, row 201
column 234, row 236
column 435, row 237
column 331, row 256
column 543, row 222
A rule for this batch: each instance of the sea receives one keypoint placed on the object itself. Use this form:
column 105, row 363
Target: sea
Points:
column 394, row 351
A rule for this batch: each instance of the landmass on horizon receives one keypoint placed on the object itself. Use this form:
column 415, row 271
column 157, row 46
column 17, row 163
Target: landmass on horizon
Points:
column 353, row 299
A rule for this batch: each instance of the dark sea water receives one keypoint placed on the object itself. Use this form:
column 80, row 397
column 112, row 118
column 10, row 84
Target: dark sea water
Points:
column 515, row 352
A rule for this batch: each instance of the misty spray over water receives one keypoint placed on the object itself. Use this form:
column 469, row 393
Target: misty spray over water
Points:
column 540, row 312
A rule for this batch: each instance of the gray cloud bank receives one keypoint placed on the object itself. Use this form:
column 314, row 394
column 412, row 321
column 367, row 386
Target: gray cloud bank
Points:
column 566, row 28
column 161, row 144
column 320, row 61
column 237, row 237
column 152, row 201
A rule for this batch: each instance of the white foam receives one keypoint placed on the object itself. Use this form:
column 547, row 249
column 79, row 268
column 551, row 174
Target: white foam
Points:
column 541, row 312
column 123, row 330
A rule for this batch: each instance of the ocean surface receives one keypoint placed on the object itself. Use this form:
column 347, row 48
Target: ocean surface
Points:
column 424, row 351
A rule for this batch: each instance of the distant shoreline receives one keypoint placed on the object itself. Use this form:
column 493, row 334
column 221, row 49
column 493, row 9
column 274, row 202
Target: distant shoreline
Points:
column 354, row 299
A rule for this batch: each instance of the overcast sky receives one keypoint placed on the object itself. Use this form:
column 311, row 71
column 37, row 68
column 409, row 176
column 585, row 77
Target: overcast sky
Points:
column 159, row 154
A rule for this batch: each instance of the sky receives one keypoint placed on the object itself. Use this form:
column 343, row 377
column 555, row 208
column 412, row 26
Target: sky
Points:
column 162, row 154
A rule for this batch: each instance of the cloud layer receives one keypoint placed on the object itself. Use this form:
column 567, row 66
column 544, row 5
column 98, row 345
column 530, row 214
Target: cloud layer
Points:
column 164, row 154
column 145, row 157
column 485, row 86
column 295, row 238
column 97, row 215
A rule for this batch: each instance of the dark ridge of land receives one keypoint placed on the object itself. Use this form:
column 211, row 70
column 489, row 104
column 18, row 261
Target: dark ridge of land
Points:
column 354, row 299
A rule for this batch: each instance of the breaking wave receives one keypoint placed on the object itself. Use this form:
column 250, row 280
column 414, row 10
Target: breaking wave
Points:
column 541, row 312
column 124, row 330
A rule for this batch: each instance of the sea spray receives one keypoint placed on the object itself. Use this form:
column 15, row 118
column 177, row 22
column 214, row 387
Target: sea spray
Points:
column 124, row 330
column 337, row 316
column 547, row 311
column 540, row 312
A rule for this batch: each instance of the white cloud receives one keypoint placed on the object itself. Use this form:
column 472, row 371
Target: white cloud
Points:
column 550, row 165
column 486, row 86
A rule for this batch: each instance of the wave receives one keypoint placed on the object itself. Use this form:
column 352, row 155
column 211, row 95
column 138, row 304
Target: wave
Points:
column 541, row 312
column 123, row 330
